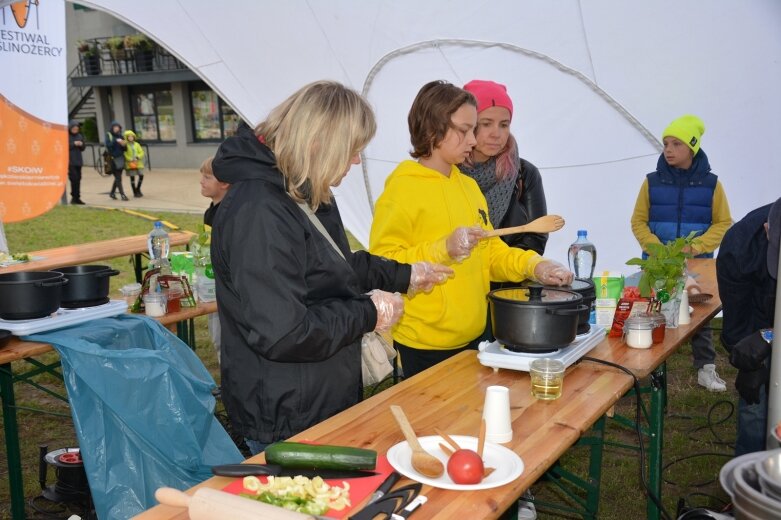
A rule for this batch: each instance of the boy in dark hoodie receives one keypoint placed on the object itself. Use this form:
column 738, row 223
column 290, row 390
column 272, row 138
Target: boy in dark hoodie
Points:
column 682, row 196
column 115, row 144
column 75, row 160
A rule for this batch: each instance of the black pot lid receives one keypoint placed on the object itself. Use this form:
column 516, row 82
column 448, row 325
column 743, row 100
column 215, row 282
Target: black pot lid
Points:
column 536, row 294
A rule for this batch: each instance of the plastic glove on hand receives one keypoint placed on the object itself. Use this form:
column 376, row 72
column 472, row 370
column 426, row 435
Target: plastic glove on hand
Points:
column 461, row 242
column 425, row 275
column 390, row 309
column 549, row 272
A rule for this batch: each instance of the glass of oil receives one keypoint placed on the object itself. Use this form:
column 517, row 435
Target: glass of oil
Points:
column 547, row 378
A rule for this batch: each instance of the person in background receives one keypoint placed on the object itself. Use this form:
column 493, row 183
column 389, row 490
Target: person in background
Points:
column 213, row 189
column 747, row 274
column 134, row 162
column 295, row 301
column 682, row 196
column 116, row 144
column 512, row 186
column 430, row 211
column 75, row 161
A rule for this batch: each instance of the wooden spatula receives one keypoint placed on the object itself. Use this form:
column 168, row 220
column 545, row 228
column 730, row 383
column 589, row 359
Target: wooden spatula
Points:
column 546, row 224
column 422, row 461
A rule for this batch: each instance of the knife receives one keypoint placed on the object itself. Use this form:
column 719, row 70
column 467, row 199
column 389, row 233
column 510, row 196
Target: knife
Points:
column 247, row 470
column 386, row 485
column 407, row 511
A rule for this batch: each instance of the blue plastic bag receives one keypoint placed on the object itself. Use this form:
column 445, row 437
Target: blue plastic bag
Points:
column 143, row 409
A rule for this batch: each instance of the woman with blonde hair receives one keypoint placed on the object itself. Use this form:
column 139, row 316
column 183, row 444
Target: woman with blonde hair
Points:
column 293, row 300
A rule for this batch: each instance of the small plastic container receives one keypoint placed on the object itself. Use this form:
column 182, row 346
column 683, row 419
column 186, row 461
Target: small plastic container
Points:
column 660, row 324
column 638, row 331
column 130, row 292
column 173, row 297
column 154, row 304
column 547, row 377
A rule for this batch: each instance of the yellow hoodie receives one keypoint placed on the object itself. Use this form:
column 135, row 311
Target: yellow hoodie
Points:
column 413, row 217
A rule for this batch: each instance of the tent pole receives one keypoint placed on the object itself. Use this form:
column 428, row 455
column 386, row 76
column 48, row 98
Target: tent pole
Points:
column 774, row 397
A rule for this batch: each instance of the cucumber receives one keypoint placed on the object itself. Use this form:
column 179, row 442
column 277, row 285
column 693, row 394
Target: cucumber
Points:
column 319, row 456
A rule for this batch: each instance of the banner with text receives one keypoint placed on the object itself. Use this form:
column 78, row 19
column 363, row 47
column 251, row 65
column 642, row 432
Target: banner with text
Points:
column 33, row 107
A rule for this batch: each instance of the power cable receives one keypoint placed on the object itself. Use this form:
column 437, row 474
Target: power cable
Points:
column 640, row 443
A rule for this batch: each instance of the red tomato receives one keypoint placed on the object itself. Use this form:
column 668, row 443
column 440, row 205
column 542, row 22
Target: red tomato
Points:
column 465, row 467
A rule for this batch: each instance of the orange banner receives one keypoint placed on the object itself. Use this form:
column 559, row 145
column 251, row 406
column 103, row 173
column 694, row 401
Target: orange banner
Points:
column 33, row 163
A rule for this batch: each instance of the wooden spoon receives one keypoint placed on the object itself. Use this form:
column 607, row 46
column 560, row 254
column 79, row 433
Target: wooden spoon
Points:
column 481, row 439
column 448, row 439
column 422, row 461
column 546, row 224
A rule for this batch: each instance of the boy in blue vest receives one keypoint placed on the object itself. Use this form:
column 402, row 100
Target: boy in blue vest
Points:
column 682, row 196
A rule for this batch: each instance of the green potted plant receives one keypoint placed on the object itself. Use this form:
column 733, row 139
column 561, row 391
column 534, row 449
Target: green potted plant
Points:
column 663, row 273
column 88, row 53
column 116, row 46
column 143, row 51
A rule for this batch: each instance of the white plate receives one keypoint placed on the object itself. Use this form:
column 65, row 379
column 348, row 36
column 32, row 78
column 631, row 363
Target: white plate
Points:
column 508, row 464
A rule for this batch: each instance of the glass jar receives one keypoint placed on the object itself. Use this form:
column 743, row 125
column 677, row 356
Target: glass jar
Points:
column 154, row 304
column 638, row 332
column 660, row 324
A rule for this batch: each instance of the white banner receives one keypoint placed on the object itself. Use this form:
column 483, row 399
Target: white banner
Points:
column 33, row 107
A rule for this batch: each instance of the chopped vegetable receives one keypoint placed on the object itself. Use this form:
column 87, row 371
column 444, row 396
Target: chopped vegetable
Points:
column 310, row 496
column 18, row 257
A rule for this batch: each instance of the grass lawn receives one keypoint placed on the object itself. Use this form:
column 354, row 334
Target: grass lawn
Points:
column 699, row 425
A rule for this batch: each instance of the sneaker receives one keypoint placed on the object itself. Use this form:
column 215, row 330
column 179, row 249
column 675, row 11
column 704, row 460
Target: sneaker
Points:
column 708, row 378
column 124, row 197
column 77, row 202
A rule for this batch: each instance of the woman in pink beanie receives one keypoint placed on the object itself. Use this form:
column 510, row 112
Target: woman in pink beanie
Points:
column 512, row 186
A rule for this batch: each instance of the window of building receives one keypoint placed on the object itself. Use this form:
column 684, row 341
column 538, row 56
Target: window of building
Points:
column 152, row 108
column 213, row 119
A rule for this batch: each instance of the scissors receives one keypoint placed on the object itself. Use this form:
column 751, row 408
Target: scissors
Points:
column 396, row 505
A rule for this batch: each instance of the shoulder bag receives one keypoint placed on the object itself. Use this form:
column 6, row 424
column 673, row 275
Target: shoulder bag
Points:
column 376, row 352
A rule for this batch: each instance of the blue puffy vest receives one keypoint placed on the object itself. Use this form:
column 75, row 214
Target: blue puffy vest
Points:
column 681, row 201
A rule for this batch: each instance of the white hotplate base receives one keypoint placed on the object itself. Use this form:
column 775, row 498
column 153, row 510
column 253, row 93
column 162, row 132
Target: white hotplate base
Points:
column 493, row 354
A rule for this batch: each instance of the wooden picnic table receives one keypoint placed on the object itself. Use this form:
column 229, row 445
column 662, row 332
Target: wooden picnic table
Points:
column 79, row 254
column 450, row 396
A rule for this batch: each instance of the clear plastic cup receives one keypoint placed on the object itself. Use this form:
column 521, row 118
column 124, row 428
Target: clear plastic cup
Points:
column 547, row 377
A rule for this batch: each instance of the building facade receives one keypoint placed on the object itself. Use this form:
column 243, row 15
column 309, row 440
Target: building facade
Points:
column 118, row 74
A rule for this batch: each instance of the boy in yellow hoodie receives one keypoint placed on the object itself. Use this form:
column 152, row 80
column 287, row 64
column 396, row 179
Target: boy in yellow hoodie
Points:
column 430, row 211
column 134, row 162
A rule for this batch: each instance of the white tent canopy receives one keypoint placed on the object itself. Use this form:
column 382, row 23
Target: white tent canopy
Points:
column 594, row 84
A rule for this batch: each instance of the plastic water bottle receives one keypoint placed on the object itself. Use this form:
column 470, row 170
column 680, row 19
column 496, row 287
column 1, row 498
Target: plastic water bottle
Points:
column 582, row 256
column 159, row 244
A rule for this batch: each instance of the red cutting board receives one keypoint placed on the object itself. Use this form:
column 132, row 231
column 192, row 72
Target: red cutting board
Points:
column 360, row 488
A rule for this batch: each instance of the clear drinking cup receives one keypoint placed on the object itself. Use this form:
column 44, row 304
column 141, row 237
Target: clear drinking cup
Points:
column 547, row 377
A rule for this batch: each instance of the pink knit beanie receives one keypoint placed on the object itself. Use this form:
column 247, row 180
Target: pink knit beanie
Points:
column 489, row 94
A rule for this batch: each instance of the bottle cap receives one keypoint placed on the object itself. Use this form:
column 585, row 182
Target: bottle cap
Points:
column 158, row 224
column 582, row 232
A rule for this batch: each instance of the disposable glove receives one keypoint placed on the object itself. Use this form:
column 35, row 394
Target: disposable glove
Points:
column 425, row 276
column 390, row 309
column 461, row 242
column 550, row 272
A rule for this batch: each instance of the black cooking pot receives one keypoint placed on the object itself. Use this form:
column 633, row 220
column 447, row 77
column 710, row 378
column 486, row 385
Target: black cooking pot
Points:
column 585, row 288
column 535, row 318
column 29, row 295
column 88, row 283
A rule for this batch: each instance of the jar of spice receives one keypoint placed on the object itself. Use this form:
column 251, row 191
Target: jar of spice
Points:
column 638, row 331
column 154, row 304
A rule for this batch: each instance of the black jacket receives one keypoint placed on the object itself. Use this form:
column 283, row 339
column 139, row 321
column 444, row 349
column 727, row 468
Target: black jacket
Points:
column 525, row 207
column 747, row 293
column 292, row 310
column 74, row 152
